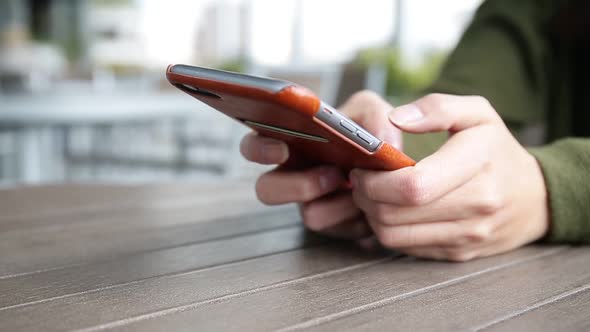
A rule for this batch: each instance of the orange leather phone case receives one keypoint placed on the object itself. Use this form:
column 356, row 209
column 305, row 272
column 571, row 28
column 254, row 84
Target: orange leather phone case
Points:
column 285, row 105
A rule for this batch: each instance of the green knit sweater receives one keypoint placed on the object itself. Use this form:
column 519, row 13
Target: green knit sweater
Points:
column 531, row 60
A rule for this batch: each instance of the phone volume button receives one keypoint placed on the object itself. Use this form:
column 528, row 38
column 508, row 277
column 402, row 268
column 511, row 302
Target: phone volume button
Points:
column 348, row 126
column 366, row 138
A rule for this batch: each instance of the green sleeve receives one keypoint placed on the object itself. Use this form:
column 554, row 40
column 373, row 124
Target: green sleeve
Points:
column 566, row 168
column 501, row 56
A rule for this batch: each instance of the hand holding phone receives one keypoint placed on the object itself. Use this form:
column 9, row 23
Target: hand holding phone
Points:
column 326, row 203
column 293, row 127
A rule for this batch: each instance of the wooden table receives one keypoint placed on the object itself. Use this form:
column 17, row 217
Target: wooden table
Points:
column 210, row 258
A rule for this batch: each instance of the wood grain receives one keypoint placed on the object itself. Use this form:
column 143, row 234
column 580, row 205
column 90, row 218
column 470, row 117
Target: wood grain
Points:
column 211, row 257
column 567, row 312
column 71, row 250
column 149, row 264
column 77, row 278
column 25, row 202
column 59, row 245
column 475, row 302
column 110, row 201
column 298, row 303
column 197, row 287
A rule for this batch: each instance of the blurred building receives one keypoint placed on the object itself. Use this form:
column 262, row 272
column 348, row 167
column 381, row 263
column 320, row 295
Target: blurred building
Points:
column 28, row 59
column 82, row 90
column 45, row 40
column 223, row 33
column 113, row 35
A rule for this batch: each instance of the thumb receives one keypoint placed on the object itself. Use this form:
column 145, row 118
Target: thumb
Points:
column 377, row 124
column 439, row 112
column 370, row 111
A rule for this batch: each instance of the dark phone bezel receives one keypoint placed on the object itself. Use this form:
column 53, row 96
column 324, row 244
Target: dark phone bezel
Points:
column 263, row 83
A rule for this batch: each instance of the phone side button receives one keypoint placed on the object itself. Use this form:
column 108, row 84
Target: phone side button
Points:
column 366, row 138
column 348, row 126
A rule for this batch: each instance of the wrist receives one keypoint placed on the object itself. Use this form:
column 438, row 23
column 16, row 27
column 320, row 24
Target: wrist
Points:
column 538, row 208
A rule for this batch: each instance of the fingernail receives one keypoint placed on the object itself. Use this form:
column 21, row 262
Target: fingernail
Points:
column 330, row 178
column 274, row 151
column 406, row 114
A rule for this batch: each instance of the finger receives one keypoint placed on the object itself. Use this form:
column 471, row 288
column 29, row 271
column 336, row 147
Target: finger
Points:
column 444, row 233
column 329, row 211
column 369, row 243
column 474, row 199
column 440, row 210
column 350, row 230
column 439, row 112
column 455, row 163
column 280, row 187
column 263, row 150
column 370, row 111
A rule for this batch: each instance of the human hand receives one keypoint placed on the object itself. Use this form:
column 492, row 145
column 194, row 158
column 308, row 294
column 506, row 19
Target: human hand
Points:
column 480, row 194
column 324, row 199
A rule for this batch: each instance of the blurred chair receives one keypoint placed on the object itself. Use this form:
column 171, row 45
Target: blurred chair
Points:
column 29, row 67
column 193, row 146
column 130, row 151
column 96, row 137
column 6, row 157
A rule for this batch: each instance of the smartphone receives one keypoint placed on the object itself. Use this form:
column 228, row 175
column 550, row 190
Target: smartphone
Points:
column 315, row 132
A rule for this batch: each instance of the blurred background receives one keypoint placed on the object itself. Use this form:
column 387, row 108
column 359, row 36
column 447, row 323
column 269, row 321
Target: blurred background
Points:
column 83, row 95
